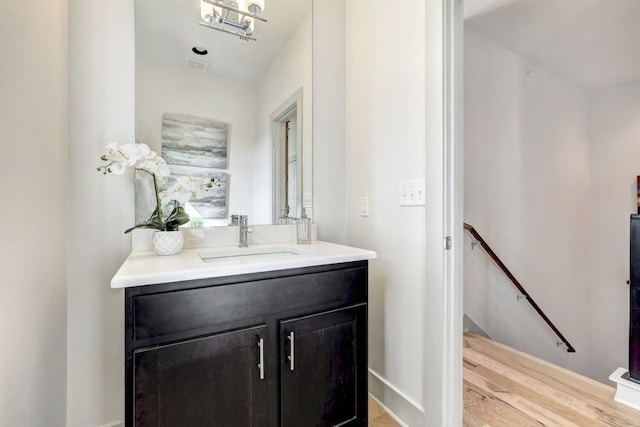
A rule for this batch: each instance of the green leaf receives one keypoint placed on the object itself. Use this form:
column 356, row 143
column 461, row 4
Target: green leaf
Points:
column 154, row 222
column 156, row 216
column 176, row 218
column 147, row 224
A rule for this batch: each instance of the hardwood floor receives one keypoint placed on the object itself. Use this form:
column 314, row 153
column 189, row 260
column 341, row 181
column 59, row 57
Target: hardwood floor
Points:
column 505, row 387
column 379, row 418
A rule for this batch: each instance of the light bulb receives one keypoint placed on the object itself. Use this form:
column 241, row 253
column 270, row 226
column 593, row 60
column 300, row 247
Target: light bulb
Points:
column 255, row 6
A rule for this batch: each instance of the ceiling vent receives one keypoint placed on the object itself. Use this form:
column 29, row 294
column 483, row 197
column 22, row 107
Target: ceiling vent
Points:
column 195, row 65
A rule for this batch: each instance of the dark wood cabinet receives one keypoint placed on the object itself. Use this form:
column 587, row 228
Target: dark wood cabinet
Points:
column 319, row 377
column 211, row 381
column 285, row 348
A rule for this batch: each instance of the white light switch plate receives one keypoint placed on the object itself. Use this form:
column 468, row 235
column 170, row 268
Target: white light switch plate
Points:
column 364, row 206
column 306, row 200
column 412, row 193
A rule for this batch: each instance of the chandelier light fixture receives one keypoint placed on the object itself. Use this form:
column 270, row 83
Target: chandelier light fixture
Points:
column 236, row 17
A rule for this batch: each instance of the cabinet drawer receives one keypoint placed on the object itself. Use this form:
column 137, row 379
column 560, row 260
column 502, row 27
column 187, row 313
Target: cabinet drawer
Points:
column 177, row 311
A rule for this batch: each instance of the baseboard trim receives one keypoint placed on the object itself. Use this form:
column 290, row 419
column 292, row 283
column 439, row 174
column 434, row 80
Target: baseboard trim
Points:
column 627, row 391
column 388, row 411
column 397, row 404
column 115, row 424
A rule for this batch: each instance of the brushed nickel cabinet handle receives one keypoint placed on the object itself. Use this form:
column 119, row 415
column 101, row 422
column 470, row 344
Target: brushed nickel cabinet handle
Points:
column 291, row 356
column 261, row 364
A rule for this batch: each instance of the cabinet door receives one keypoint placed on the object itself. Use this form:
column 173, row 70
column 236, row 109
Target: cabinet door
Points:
column 218, row 380
column 323, row 369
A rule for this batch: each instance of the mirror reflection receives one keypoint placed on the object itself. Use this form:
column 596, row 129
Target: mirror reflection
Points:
column 225, row 92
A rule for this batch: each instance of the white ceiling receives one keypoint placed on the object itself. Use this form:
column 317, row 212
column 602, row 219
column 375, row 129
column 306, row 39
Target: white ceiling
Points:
column 166, row 30
column 594, row 43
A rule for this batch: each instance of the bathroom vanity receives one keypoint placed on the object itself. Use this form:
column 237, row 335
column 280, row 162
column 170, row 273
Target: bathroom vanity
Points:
column 270, row 336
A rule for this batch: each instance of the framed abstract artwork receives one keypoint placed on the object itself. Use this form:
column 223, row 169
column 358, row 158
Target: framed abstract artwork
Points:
column 194, row 141
column 198, row 147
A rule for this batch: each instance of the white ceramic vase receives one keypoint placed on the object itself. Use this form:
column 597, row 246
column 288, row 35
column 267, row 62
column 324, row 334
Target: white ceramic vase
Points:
column 167, row 242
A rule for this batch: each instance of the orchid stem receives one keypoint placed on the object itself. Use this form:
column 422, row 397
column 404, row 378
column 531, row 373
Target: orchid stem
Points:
column 155, row 188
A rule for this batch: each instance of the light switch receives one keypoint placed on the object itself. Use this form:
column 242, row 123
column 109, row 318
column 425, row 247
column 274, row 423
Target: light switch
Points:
column 412, row 193
column 364, row 206
column 306, row 200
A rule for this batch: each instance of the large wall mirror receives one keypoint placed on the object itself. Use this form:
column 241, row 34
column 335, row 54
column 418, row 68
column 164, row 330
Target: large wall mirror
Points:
column 250, row 97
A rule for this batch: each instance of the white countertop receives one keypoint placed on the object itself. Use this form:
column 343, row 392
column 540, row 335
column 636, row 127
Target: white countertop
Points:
column 147, row 268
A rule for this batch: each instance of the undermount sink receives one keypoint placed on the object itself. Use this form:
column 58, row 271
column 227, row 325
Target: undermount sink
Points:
column 247, row 255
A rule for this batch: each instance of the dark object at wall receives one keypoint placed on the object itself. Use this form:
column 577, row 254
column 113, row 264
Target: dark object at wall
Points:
column 634, row 300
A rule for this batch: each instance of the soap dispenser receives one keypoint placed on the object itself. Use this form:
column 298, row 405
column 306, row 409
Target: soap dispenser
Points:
column 304, row 228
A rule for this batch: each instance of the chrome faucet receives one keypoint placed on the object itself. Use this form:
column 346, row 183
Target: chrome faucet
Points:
column 243, row 227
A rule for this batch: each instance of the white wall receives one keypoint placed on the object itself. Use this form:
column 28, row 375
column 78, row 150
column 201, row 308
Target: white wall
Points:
column 329, row 120
column 385, row 134
column 162, row 89
column 527, row 192
column 33, row 172
column 101, row 109
column 614, row 123
column 290, row 70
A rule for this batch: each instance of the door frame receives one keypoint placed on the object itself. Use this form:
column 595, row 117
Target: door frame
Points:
column 292, row 106
column 444, row 214
column 453, row 30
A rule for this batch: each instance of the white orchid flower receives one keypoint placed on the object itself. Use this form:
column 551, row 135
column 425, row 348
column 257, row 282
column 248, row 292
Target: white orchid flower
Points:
column 143, row 150
column 182, row 197
column 130, row 154
column 184, row 189
column 163, row 167
column 171, row 194
column 118, row 157
column 112, row 151
column 117, row 168
column 148, row 166
column 201, row 186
